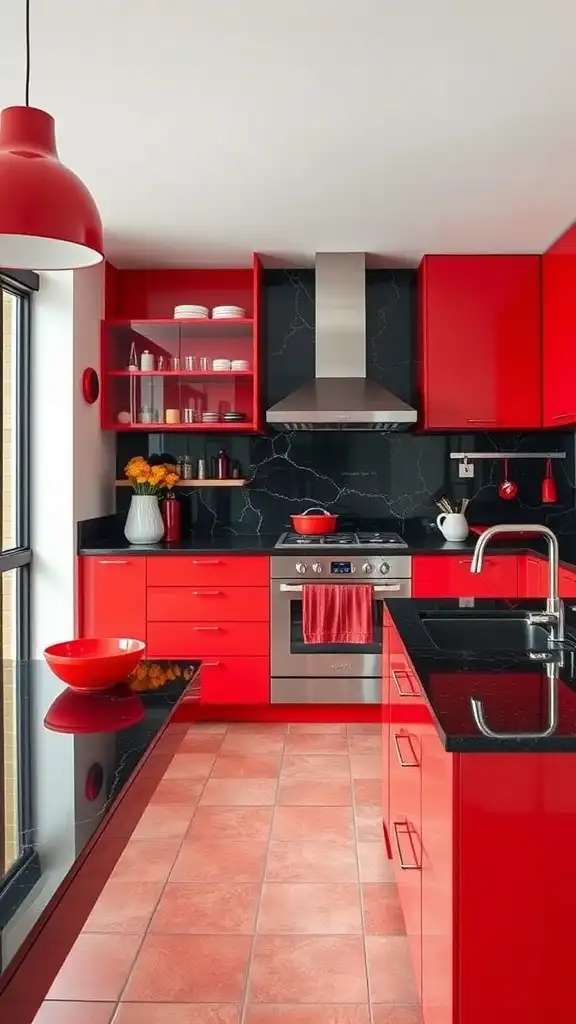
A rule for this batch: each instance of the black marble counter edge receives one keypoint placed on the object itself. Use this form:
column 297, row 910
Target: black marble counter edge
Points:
column 405, row 615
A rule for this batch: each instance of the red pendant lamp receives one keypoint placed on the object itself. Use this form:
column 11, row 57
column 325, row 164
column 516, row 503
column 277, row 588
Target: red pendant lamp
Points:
column 48, row 218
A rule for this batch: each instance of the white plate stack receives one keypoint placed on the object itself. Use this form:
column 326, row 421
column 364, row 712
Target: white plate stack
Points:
column 240, row 365
column 188, row 312
column 221, row 364
column 210, row 417
column 228, row 313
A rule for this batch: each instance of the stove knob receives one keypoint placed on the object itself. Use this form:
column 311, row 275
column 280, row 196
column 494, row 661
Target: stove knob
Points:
column 300, row 568
column 367, row 568
column 384, row 568
column 317, row 567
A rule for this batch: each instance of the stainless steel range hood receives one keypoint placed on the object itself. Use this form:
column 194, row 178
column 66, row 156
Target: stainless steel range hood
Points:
column 341, row 397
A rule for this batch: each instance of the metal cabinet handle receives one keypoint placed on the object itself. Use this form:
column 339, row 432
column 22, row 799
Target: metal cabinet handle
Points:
column 481, row 421
column 113, row 561
column 206, row 561
column 405, row 736
column 205, row 629
column 412, row 692
column 210, row 664
column 407, row 830
column 206, row 593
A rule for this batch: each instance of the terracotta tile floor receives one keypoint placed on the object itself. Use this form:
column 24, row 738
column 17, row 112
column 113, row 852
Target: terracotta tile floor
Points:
column 255, row 890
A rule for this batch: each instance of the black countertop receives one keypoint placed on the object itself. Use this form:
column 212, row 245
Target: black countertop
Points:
column 512, row 687
column 265, row 544
column 75, row 754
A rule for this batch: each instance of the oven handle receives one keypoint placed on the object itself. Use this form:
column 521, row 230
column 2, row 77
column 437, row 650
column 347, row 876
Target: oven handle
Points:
column 296, row 588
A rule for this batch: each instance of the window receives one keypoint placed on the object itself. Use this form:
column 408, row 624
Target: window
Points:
column 15, row 558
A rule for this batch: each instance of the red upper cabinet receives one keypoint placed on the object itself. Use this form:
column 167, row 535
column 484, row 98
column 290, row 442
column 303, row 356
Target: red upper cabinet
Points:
column 559, row 333
column 113, row 597
column 176, row 382
column 481, row 342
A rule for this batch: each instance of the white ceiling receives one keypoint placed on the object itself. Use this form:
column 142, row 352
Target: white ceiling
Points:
column 209, row 129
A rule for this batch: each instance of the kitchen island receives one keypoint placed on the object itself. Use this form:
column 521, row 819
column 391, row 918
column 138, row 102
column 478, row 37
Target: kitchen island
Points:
column 86, row 766
column 481, row 828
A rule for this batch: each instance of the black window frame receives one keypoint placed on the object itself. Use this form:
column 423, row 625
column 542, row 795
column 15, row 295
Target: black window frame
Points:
column 22, row 284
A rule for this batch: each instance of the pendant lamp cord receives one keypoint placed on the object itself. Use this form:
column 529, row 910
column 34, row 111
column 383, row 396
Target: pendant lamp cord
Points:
column 27, row 53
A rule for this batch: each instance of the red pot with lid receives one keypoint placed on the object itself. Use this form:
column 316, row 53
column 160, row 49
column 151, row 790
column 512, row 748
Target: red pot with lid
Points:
column 306, row 523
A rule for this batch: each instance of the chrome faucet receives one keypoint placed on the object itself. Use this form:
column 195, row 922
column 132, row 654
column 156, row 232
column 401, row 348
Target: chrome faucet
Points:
column 554, row 614
column 552, row 725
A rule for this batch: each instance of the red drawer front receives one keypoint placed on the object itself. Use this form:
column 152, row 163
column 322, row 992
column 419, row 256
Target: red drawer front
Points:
column 208, row 604
column 567, row 583
column 450, row 576
column 235, row 681
column 186, row 570
column 188, row 640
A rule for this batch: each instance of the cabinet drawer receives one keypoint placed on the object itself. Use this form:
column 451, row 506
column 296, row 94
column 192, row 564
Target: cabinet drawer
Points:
column 235, row 681
column 405, row 760
column 188, row 570
column 450, row 576
column 208, row 604
column 188, row 640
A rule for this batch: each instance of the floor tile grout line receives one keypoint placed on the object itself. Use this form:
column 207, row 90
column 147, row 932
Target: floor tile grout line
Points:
column 362, row 914
column 244, row 1001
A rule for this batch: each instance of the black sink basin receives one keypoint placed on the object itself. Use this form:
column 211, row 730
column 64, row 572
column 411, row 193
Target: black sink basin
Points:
column 454, row 631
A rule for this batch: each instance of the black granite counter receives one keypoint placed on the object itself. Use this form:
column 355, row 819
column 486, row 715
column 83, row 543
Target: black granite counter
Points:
column 511, row 685
column 75, row 754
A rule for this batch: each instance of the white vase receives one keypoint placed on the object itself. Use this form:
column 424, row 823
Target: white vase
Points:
column 144, row 524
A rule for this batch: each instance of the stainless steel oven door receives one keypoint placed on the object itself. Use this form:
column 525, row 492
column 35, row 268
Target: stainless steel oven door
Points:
column 291, row 656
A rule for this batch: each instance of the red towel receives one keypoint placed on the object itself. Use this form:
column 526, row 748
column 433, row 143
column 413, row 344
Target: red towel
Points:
column 337, row 613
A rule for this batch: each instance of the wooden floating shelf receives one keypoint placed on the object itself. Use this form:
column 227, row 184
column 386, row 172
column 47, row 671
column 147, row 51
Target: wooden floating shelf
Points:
column 196, row 483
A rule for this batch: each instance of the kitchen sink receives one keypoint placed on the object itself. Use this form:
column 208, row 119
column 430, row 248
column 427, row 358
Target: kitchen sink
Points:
column 454, row 631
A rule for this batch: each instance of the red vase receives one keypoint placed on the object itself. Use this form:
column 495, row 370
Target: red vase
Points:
column 172, row 517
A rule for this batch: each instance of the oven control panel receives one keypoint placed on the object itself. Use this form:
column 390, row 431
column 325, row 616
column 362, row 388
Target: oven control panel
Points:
column 370, row 568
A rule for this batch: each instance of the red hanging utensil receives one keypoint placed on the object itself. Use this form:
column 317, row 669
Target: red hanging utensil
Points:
column 549, row 489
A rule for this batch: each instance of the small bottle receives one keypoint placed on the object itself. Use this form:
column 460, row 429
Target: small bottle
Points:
column 201, row 469
column 160, row 362
column 187, row 472
column 132, row 358
column 147, row 361
column 172, row 517
column 223, row 465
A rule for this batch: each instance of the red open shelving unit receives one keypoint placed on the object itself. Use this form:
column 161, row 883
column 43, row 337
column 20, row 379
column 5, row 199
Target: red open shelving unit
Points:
column 138, row 311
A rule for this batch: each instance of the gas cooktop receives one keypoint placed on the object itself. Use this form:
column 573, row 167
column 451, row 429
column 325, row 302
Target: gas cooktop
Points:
column 356, row 539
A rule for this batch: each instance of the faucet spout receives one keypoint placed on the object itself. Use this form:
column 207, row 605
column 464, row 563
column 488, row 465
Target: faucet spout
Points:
column 554, row 614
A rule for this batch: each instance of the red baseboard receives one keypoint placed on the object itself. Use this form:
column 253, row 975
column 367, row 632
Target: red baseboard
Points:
column 194, row 712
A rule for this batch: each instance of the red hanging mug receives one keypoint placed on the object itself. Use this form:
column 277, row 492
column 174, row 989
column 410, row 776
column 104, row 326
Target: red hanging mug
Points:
column 549, row 491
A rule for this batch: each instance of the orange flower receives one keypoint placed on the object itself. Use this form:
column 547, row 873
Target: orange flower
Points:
column 171, row 479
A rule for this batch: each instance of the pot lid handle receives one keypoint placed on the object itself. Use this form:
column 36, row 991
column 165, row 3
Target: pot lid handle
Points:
column 316, row 508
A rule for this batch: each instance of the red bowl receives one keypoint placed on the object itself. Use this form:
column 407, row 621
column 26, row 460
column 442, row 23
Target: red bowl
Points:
column 94, row 664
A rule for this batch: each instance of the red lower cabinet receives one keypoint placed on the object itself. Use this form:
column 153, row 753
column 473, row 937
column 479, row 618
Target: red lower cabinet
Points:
column 450, row 576
column 212, row 609
column 437, row 953
column 567, row 583
column 235, row 681
column 483, row 846
column 112, row 597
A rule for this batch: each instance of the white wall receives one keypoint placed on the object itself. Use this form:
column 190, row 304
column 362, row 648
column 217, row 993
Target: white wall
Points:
column 72, row 466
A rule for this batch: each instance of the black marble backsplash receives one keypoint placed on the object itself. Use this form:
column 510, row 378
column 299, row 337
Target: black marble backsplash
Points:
column 376, row 476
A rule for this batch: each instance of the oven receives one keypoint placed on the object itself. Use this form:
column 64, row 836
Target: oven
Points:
column 329, row 673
